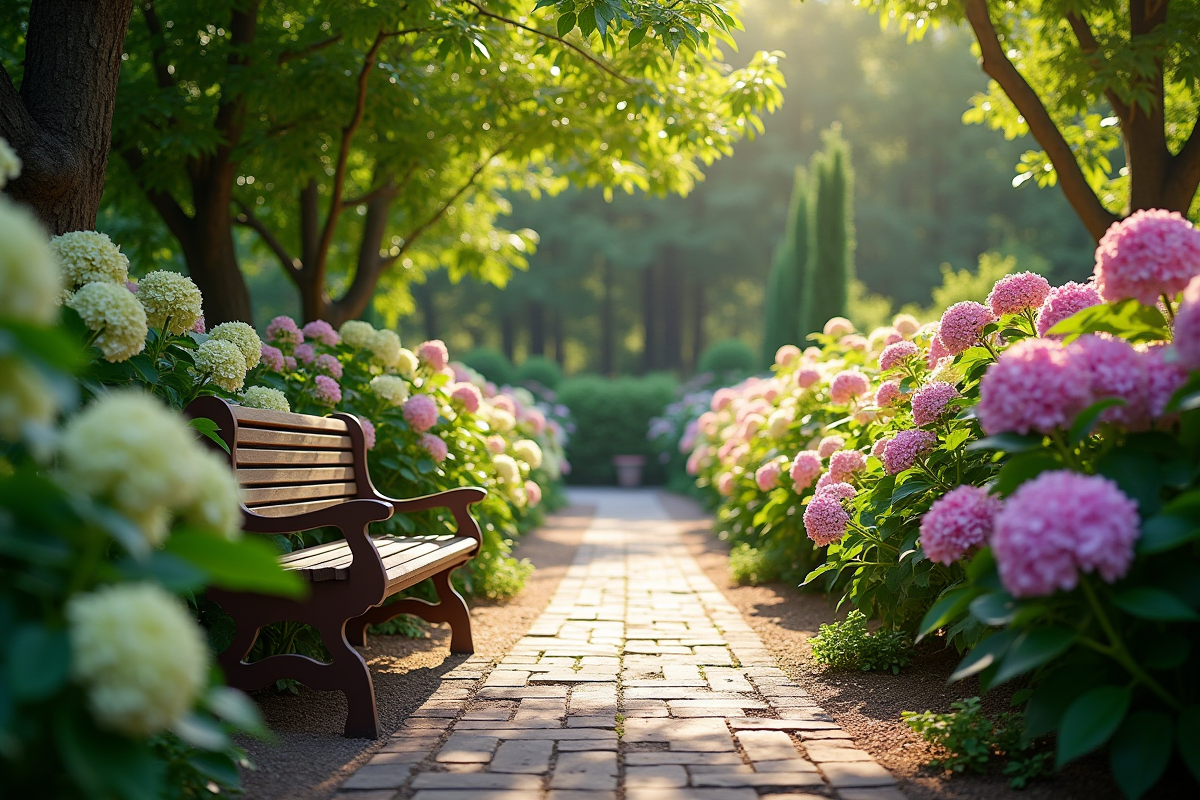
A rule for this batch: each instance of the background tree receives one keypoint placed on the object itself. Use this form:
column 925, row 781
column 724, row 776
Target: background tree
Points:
column 66, row 56
column 784, row 301
column 1107, row 89
column 829, row 269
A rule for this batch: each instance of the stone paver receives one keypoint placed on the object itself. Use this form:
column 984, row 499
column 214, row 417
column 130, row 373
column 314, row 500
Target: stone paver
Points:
column 639, row 680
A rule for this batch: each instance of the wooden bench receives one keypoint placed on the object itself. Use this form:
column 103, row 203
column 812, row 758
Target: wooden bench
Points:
column 301, row 472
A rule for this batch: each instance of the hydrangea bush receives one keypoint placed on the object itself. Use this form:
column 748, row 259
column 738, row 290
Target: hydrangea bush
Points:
column 1020, row 478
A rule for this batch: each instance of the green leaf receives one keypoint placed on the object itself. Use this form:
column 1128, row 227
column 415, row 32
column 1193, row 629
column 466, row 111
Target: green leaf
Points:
column 102, row 764
column 908, row 490
column 208, row 428
column 566, row 23
column 544, row 4
column 1090, row 721
column 1147, row 602
column 1165, row 532
column 1023, row 467
column 1087, row 419
column 985, row 654
column 995, row 609
column 1141, row 750
column 636, row 36
column 1137, row 473
column 956, row 438
column 172, row 572
column 145, row 367
column 1032, row 649
column 1189, row 739
column 945, row 610
column 39, row 661
column 217, row 767
column 247, row 565
column 202, row 732
column 1007, row 442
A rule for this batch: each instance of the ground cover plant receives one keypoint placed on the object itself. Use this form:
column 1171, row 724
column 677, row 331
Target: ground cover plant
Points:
column 1018, row 478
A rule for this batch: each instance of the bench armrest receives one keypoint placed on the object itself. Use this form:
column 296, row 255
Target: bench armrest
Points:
column 457, row 500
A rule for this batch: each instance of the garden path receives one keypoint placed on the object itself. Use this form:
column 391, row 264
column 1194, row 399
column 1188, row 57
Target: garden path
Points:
column 639, row 681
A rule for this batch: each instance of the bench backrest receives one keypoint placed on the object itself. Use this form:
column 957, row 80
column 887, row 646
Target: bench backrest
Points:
column 289, row 464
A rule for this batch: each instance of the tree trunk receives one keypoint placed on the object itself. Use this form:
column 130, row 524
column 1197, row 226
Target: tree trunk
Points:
column 60, row 123
column 651, row 339
column 560, row 339
column 209, row 250
column 427, row 300
column 672, row 311
column 608, row 353
column 698, row 314
column 537, row 328
column 508, row 335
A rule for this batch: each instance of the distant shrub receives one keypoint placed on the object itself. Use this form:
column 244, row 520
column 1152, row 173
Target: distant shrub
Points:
column 728, row 355
column 541, row 370
column 492, row 364
column 848, row 645
column 612, row 417
column 749, row 566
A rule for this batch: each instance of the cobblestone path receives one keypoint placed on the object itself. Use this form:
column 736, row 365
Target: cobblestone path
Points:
column 639, row 681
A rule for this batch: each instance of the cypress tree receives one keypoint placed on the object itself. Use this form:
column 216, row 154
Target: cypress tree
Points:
column 830, row 267
column 784, row 306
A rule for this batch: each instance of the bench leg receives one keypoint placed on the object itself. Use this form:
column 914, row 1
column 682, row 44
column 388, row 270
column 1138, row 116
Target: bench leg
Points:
column 450, row 608
column 353, row 678
column 232, row 657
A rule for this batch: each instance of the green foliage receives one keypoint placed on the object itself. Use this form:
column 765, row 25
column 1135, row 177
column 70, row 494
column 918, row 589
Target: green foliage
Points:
column 971, row 741
column 491, row 364
column 751, row 566
column 830, row 265
column 848, row 645
column 784, row 302
column 612, row 418
column 540, row 371
column 728, row 357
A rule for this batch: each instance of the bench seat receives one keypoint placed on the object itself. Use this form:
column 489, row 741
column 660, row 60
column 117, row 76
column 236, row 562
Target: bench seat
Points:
column 406, row 559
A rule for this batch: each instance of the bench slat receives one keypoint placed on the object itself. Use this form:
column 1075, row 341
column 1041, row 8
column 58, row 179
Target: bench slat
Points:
column 456, row 549
column 402, row 557
column 253, row 457
column 294, row 475
column 339, row 553
column 286, row 420
column 274, row 495
column 292, row 439
column 296, row 509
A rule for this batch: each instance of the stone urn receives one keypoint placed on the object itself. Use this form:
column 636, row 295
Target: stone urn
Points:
column 629, row 470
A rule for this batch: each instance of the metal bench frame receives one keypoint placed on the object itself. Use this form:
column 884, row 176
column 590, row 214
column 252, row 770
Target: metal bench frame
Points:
column 345, row 596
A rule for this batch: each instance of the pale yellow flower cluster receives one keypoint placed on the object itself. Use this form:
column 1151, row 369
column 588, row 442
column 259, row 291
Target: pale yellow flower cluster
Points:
column 171, row 300
column 221, row 362
column 385, row 349
column 265, row 398
column 406, row 362
column 88, row 257
column 25, row 399
column 528, row 451
column 390, row 388
column 507, row 469
column 242, row 335
column 140, row 655
column 356, row 333
column 30, row 282
column 116, row 315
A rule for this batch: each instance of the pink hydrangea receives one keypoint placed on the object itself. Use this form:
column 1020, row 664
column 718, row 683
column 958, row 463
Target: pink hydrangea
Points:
column 822, row 482
column 895, row 354
column 321, row 331
column 695, row 461
column 368, row 432
column 1016, row 294
column 825, row 518
column 884, row 336
column 854, row 342
column 787, row 355
column 1150, row 253
column 838, row 326
column 304, row 353
column 496, row 444
column 1065, row 301
column 272, row 358
column 930, row 403
column 959, row 521
column 1059, row 524
column 1187, row 327
column 725, row 484
column 1117, row 370
column 962, row 326
column 880, row 446
column 505, row 403
column 1163, row 379
column 283, row 332
column 421, row 412
column 722, row 398
column 434, row 353
column 432, row 444
column 200, row 326
column 467, row 394
column 325, row 391
column 806, row 377
column 806, row 466
column 533, row 493
column 327, row 365
column 289, row 363
column 937, row 351
column 844, row 463
column 1036, row 386
column 848, row 385
column 767, row 476
column 830, row 445
column 902, row 450
column 535, row 419
column 888, row 394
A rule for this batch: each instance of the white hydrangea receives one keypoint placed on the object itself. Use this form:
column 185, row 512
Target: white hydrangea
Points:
column 501, row 420
column 517, row 496
column 116, row 315
column 170, row 298
column 528, row 451
column 506, row 468
column 222, row 363
column 385, row 349
column 10, row 163
column 392, row 389
column 242, row 335
column 139, row 653
column 779, row 422
column 25, row 399
column 217, row 504
column 406, row 362
column 265, row 398
column 30, row 283
column 89, row 256
column 129, row 449
column 356, row 333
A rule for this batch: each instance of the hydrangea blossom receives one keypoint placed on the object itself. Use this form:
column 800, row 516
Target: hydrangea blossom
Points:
column 528, row 451
column 931, row 402
column 895, row 354
column 1063, row 302
column 787, row 355
column 1163, row 379
column 882, row 337
column 284, row 333
column 838, row 326
column 906, row 324
column 937, row 351
column 305, row 353
column 406, row 362
column 958, row 522
column 848, row 385
column 1187, row 327
column 533, row 492
column 888, row 394
column 496, row 444
column 506, row 468
column 1060, row 524
column 466, row 394
column 844, row 463
column 421, row 412
column 271, row 357
column 767, row 476
column 29, row 273
column 779, row 422
column 356, row 333
column 242, row 335
column 962, row 326
column 368, row 429
column 1036, row 386
column 222, row 363
column 26, row 399
column 1117, row 370
column 902, row 450
column 265, row 398
column 321, row 331
column 327, row 364
column 853, row 342
column 171, row 300
column 200, row 326
column 1018, row 293
column 433, row 444
column 830, row 445
column 118, row 317
column 1150, row 253
column 806, row 467
column 806, row 377
column 880, row 446
column 385, row 349
column 325, row 390
column 722, row 398
column 90, row 256
column 825, row 518
column 433, row 353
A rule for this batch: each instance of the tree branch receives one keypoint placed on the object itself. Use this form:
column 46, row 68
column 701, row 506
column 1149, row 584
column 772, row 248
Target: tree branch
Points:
column 176, row 219
column 161, row 76
column 1095, row 217
column 553, row 37
column 250, row 220
column 1091, row 48
column 290, row 55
